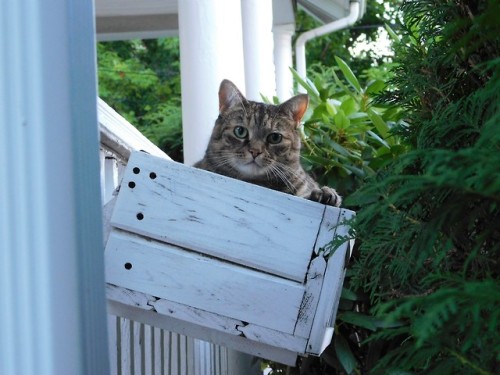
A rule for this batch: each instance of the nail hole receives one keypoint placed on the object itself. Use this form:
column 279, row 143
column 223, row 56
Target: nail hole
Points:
column 128, row 266
column 131, row 184
column 140, row 216
column 152, row 175
column 136, row 170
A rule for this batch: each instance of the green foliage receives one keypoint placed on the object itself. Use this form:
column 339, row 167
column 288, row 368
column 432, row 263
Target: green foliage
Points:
column 140, row 79
column 325, row 49
column 346, row 134
column 428, row 223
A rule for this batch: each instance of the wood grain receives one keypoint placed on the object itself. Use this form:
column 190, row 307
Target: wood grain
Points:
column 218, row 216
column 209, row 284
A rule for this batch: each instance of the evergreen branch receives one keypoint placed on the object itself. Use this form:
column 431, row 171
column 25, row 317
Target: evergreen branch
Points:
column 468, row 363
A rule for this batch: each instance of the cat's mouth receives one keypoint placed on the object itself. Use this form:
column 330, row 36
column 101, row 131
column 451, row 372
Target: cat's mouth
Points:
column 252, row 168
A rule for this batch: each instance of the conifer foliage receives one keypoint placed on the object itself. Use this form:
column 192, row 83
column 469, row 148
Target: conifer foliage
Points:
column 428, row 224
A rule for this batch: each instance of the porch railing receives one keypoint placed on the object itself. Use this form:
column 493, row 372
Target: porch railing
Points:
column 136, row 348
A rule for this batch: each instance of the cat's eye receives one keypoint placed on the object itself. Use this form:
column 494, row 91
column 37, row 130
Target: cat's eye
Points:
column 240, row 132
column 274, row 138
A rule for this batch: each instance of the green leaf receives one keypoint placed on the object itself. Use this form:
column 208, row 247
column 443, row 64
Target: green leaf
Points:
column 348, row 74
column 357, row 171
column 369, row 322
column 341, row 120
column 311, row 90
column 349, row 106
column 320, row 111
column 378, row 139
column 380, row 124
column 338, row 148
column 341, row 85
column 344, row 354
column 357, row 319
column 391, row 33
column 375, row 87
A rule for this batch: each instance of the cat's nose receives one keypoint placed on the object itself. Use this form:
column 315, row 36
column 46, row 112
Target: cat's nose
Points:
column 254, row 152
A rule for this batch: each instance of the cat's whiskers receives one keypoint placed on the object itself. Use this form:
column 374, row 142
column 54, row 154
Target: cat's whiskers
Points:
column 221, row 158
column 281, row 175
column 291, row 171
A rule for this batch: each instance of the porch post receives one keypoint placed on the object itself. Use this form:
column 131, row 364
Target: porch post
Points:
column 283, row 60
column 210, row 35
column 52, row 315
column 257, row 17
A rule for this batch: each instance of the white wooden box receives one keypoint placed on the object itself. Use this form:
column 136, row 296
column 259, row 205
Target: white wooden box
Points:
column 223, row 260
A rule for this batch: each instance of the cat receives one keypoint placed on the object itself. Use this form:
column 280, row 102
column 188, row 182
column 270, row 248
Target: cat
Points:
column 260, row 143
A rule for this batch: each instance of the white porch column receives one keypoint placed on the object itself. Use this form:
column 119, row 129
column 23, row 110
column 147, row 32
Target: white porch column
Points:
column 257, row 16
column 283, row 60
column 53, row 312
column 210, row 34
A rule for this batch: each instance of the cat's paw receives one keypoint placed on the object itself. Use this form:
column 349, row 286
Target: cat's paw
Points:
column 326, row 195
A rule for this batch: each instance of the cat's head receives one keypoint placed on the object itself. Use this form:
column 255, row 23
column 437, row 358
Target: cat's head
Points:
column 253, row 140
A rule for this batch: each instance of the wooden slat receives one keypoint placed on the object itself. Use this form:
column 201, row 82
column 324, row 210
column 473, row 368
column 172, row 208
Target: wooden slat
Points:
column 125, row 347
column 274, row 338
column 112, row 344
column 183, row 354
column 157, row 354
column 129, row 297
column 324, row 319
column 175, row 354
column 328, row 227
column 314, row 282
column 197, row 316
column 167, row 360
column 110, row 178
column 148, row 350
column 121, row 137
column 137, row 347
column 238, row 343
column 208, row 284
column 190, row 356
column 219, row 216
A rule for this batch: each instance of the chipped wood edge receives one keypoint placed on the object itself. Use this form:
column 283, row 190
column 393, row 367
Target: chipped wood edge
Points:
column 274, row 338
column 235, row 342
column 324, row 319
column 197, row 316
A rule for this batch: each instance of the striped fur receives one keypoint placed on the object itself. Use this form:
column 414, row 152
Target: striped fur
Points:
column 260, row 143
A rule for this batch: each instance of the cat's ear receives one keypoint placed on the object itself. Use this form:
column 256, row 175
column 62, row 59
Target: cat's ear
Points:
column 295, row 107
column 229, row 96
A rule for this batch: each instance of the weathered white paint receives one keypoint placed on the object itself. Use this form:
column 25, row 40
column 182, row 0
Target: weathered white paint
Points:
column 113, row 348
column 314, row 282
column 118, row 139
column 324, row 319
column 238, row 343
column 207, row 284
column 211, row 41
column 257, row 20
column 126, row 349
column 259, row 233
column 221, row 298
column 274, row 338
column 190, row 314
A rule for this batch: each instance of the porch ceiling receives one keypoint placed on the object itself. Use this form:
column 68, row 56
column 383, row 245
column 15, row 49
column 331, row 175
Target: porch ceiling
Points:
column 130, row 19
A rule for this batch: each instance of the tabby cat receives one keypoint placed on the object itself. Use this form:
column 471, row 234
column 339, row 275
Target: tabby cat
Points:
column 260, row 143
